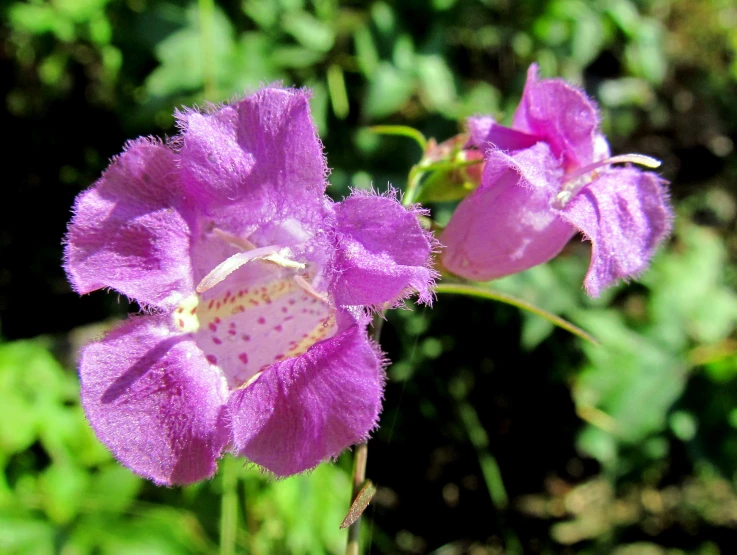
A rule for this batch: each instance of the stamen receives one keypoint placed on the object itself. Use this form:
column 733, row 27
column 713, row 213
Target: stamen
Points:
column 577, row 180
column 240, row 242
column 231, row 264
column 307, row 287
column 640, row 159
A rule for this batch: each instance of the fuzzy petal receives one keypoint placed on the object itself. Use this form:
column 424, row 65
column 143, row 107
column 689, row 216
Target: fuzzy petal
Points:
column 626, row 215
column 154, row 401
column 263, row 147
column 383, row 252
column 484, row 132
column 310, row 408
column 125, row 233
column 560, row 114
column 506, row 225
column 214, row 166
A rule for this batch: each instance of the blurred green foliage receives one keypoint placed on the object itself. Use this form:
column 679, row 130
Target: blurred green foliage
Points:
column 530, row 440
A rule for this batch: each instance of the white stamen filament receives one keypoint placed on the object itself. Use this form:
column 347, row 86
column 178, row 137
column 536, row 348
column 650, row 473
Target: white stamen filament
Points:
column 231, row 264
column 240, row 242
column 307, row 287
column 577, row 180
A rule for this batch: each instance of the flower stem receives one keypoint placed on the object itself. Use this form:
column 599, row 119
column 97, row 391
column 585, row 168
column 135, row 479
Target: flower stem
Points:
column 206, row 9
column 359, row 475
column 353, row 547
column 229, row 507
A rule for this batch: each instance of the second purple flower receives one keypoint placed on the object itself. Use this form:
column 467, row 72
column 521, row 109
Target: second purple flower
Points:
column 547, row 177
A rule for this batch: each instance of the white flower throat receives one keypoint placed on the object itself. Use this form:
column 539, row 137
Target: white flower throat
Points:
column 243, row 327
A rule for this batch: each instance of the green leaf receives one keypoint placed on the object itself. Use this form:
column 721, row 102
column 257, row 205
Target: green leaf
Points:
column 32, row 18
column 367, row 55
column 24, row 535
column 389, row 90
column 183, row 49
column 292, row 56
column 62, row 486
column 437, row 84
column 628, row 386
column 309, row 31
column 689, row 297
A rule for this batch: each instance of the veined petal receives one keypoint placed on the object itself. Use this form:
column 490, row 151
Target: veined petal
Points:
column 625, row 214
column 264, row 147
column 287, row 150
column 126, row 232
column 560, row 114
column 383, row 252
column 507, row 225
column 214, row 166
column 307, row 409
column 154, row 401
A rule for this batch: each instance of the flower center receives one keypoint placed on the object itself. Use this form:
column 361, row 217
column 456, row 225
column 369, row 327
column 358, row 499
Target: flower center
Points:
column 579, row 178
column 243, row 325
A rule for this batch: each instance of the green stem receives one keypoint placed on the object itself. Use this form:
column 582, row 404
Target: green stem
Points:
column 353, row 547
column 484, row 293
column 413, row 182
column 229, row 507
column 206, row 9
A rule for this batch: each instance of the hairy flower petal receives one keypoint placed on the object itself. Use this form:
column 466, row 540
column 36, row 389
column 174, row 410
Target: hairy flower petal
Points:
column 262, row 147
column 307, row 409
column 506, row 225
column 154, row 401
column 625, row 214
column 484, row 132
column 126, row 233
column 560, row 114
column 383, row 252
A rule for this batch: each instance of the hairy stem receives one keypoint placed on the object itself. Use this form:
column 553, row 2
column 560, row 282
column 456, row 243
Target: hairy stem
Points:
column 229, row 507
column 353, row 547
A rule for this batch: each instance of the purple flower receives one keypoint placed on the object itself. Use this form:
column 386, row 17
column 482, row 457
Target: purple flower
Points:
column 256, row 288
column 546, row 178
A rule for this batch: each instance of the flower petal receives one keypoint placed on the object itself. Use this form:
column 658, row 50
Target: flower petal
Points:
column 213, row 164
column 154, row 401
column 309, row 408
column 560, row 114
column 126, row 233
column 625, row 214
column 263, row 147
column 506, row 225
column 484, row 131
column 383, row 252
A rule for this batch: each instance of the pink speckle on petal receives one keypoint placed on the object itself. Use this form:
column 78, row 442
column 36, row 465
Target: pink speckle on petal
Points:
column 243, row 358
column 261, row 320
column 212, row 359
column 217, row 340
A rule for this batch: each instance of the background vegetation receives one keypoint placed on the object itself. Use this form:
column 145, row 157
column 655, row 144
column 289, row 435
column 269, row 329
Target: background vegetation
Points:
column 529, row 441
